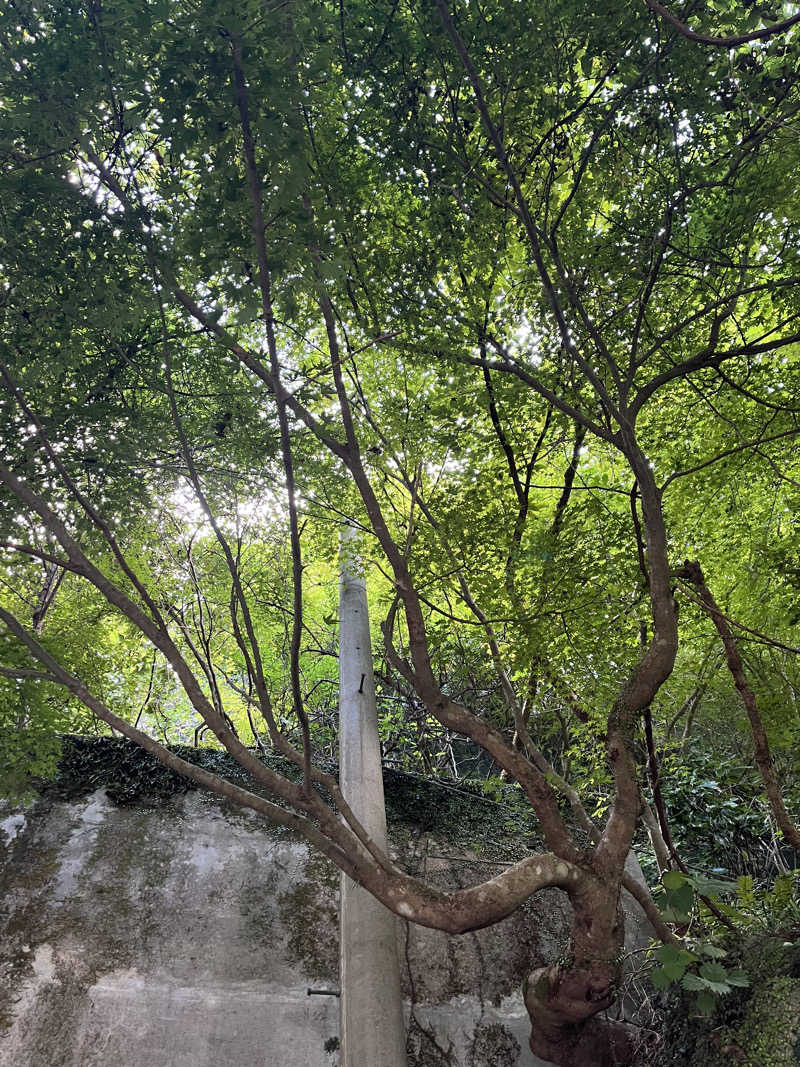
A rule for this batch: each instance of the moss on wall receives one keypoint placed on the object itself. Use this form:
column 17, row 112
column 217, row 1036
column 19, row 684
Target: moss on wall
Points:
column 309, row 912
column 128, row 773
column 145, row 849
column 493, row 1044
column 499, row 827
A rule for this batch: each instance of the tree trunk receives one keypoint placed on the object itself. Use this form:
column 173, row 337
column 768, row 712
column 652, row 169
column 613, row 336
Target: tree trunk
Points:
column 659, row 845
column 565, row 1000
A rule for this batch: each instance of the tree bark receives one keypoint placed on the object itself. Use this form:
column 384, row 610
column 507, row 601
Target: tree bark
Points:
column 52, row 580
column 565, row 1000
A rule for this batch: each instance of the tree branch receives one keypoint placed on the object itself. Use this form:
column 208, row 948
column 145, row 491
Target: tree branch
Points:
column 692, row 572
column 721, row 42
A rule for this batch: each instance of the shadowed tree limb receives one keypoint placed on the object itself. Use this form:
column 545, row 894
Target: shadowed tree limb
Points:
column 254, row 182
column 692, row 572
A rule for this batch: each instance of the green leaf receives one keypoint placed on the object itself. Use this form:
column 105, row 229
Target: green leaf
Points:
column 714, row 951
column 682, row 900
column 713, row 972
column 674, row 953
column 660, row 978
column 673, row 879
column 719, row 987
column 713, row 886
column 674, row 960
column 705, row 1003
column 675, row 970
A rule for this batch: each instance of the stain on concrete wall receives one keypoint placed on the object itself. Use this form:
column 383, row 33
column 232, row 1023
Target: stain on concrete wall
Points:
column 186, row 934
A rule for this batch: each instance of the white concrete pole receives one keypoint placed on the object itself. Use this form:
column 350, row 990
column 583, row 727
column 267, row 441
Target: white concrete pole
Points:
column 372, row 1025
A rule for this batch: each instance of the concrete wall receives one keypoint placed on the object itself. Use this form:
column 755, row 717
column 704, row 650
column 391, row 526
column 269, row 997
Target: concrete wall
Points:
column 188, row 934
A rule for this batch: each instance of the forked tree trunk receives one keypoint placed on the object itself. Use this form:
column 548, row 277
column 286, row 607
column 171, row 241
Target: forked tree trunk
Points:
column 566, row 1001
column 562, row 999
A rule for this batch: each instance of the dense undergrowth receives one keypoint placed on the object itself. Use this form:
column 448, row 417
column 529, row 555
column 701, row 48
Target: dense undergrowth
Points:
column 757, row 1026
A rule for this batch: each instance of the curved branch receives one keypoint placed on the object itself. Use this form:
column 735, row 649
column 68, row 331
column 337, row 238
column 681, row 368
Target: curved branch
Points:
column 708, row 357
column 91, row 511
column 721, row 42
column 23, row 674
column 754, row 444
column 188, row 770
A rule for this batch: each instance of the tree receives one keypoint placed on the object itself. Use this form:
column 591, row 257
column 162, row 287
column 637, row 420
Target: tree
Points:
column 496, row 283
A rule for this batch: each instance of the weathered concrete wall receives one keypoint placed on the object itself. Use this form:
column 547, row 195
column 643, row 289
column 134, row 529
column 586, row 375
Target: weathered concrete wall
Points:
column 188, row 934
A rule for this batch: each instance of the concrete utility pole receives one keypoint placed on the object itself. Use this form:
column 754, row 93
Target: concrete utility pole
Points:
column 372, row 1025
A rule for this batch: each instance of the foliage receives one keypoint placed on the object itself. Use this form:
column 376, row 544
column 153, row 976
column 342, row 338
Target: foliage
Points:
column 719, row 823
column 755, row 1024
column 697, row 963
column 513, row 288
column 707, row 963
column 765, row 908
column 700, row 971
column 377, row 188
